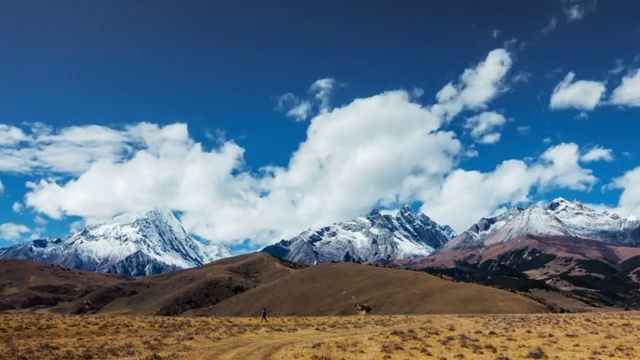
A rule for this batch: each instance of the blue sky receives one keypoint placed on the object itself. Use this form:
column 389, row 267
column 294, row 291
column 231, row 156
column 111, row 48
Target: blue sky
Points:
column 119, row 106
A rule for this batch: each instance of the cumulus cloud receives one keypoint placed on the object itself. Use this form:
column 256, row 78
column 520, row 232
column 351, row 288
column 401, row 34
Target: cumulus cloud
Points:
column 12, row 232
column 597, row 153
column 581, row 94
column 11, row 135
column 629, row 201
column 74, row 149
column 476, row 87
column 380, row 150
column 628, row 92
column 372, row 151
column 466, row 196
column 485, row 126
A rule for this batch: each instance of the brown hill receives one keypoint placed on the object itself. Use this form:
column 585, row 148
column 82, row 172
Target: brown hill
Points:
column 334, row 289
column 589, row 271
column 31, row 286
column 201, row 287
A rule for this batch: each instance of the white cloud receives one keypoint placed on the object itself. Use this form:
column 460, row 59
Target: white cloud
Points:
column 476, row 87
column 373, row 150
column 628, row 93
column 629, row 202
column 581, row 94
column 300, row 112
column 1, row 187
column 376, row 151
column 547, row 140
column 495, row 33
column 466, row 196
column 77, row 226
column 524, row 129
column 12, row 232
column 484, row 127
column 73, row 149
column 322, row 89
column 597, row 153
column 577, row 9
column 11, row 135
column 17, row 207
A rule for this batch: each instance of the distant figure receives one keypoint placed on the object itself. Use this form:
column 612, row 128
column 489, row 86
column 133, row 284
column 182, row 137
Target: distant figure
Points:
column 88, row 306
column 264, row 315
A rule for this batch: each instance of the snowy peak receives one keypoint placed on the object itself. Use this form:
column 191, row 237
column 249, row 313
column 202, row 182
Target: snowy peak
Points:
column 142, row 243
column 558, row 217
column 483, row 229
column 589, row 223
column 560, row 204
column 374, row 237
column 533, row 220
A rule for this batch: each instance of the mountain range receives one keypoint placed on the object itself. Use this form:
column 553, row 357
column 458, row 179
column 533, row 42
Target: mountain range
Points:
column 242, row 286
column 559, row 217
column 135, row 244
column 366, row 238
column 563, row 253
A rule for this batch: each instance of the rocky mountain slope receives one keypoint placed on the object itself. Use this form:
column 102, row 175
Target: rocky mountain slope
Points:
column 370, row 238
column 137, row 244
column 255, row 280
column 557, row 218
column 562, row 250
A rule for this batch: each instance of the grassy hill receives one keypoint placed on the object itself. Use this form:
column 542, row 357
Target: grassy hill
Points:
column 176, row 292
column 31, row 285
column 243, row 285
column 334, row 289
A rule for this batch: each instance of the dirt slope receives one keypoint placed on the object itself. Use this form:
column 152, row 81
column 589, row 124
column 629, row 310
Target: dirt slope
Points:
column 31, row 286
column 334, row 289
column 582, row 273
column 177, row 292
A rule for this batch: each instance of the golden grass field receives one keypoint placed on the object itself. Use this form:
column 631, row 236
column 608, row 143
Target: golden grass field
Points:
column 543, row 336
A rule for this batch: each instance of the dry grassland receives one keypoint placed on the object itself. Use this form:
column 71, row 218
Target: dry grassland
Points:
column 499, row 337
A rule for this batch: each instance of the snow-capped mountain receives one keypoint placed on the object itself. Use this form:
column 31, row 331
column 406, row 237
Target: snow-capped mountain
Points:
column 534, row 220
column 557, row 218
column 136, row 244
column 589, row 223
column 476, row 234
column 374, row 237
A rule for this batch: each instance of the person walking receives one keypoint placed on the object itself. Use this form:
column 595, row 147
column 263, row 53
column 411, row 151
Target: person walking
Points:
column 264, row 315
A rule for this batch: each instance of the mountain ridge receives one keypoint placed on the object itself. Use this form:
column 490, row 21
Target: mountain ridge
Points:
column 366, row 238
column 136, row 244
